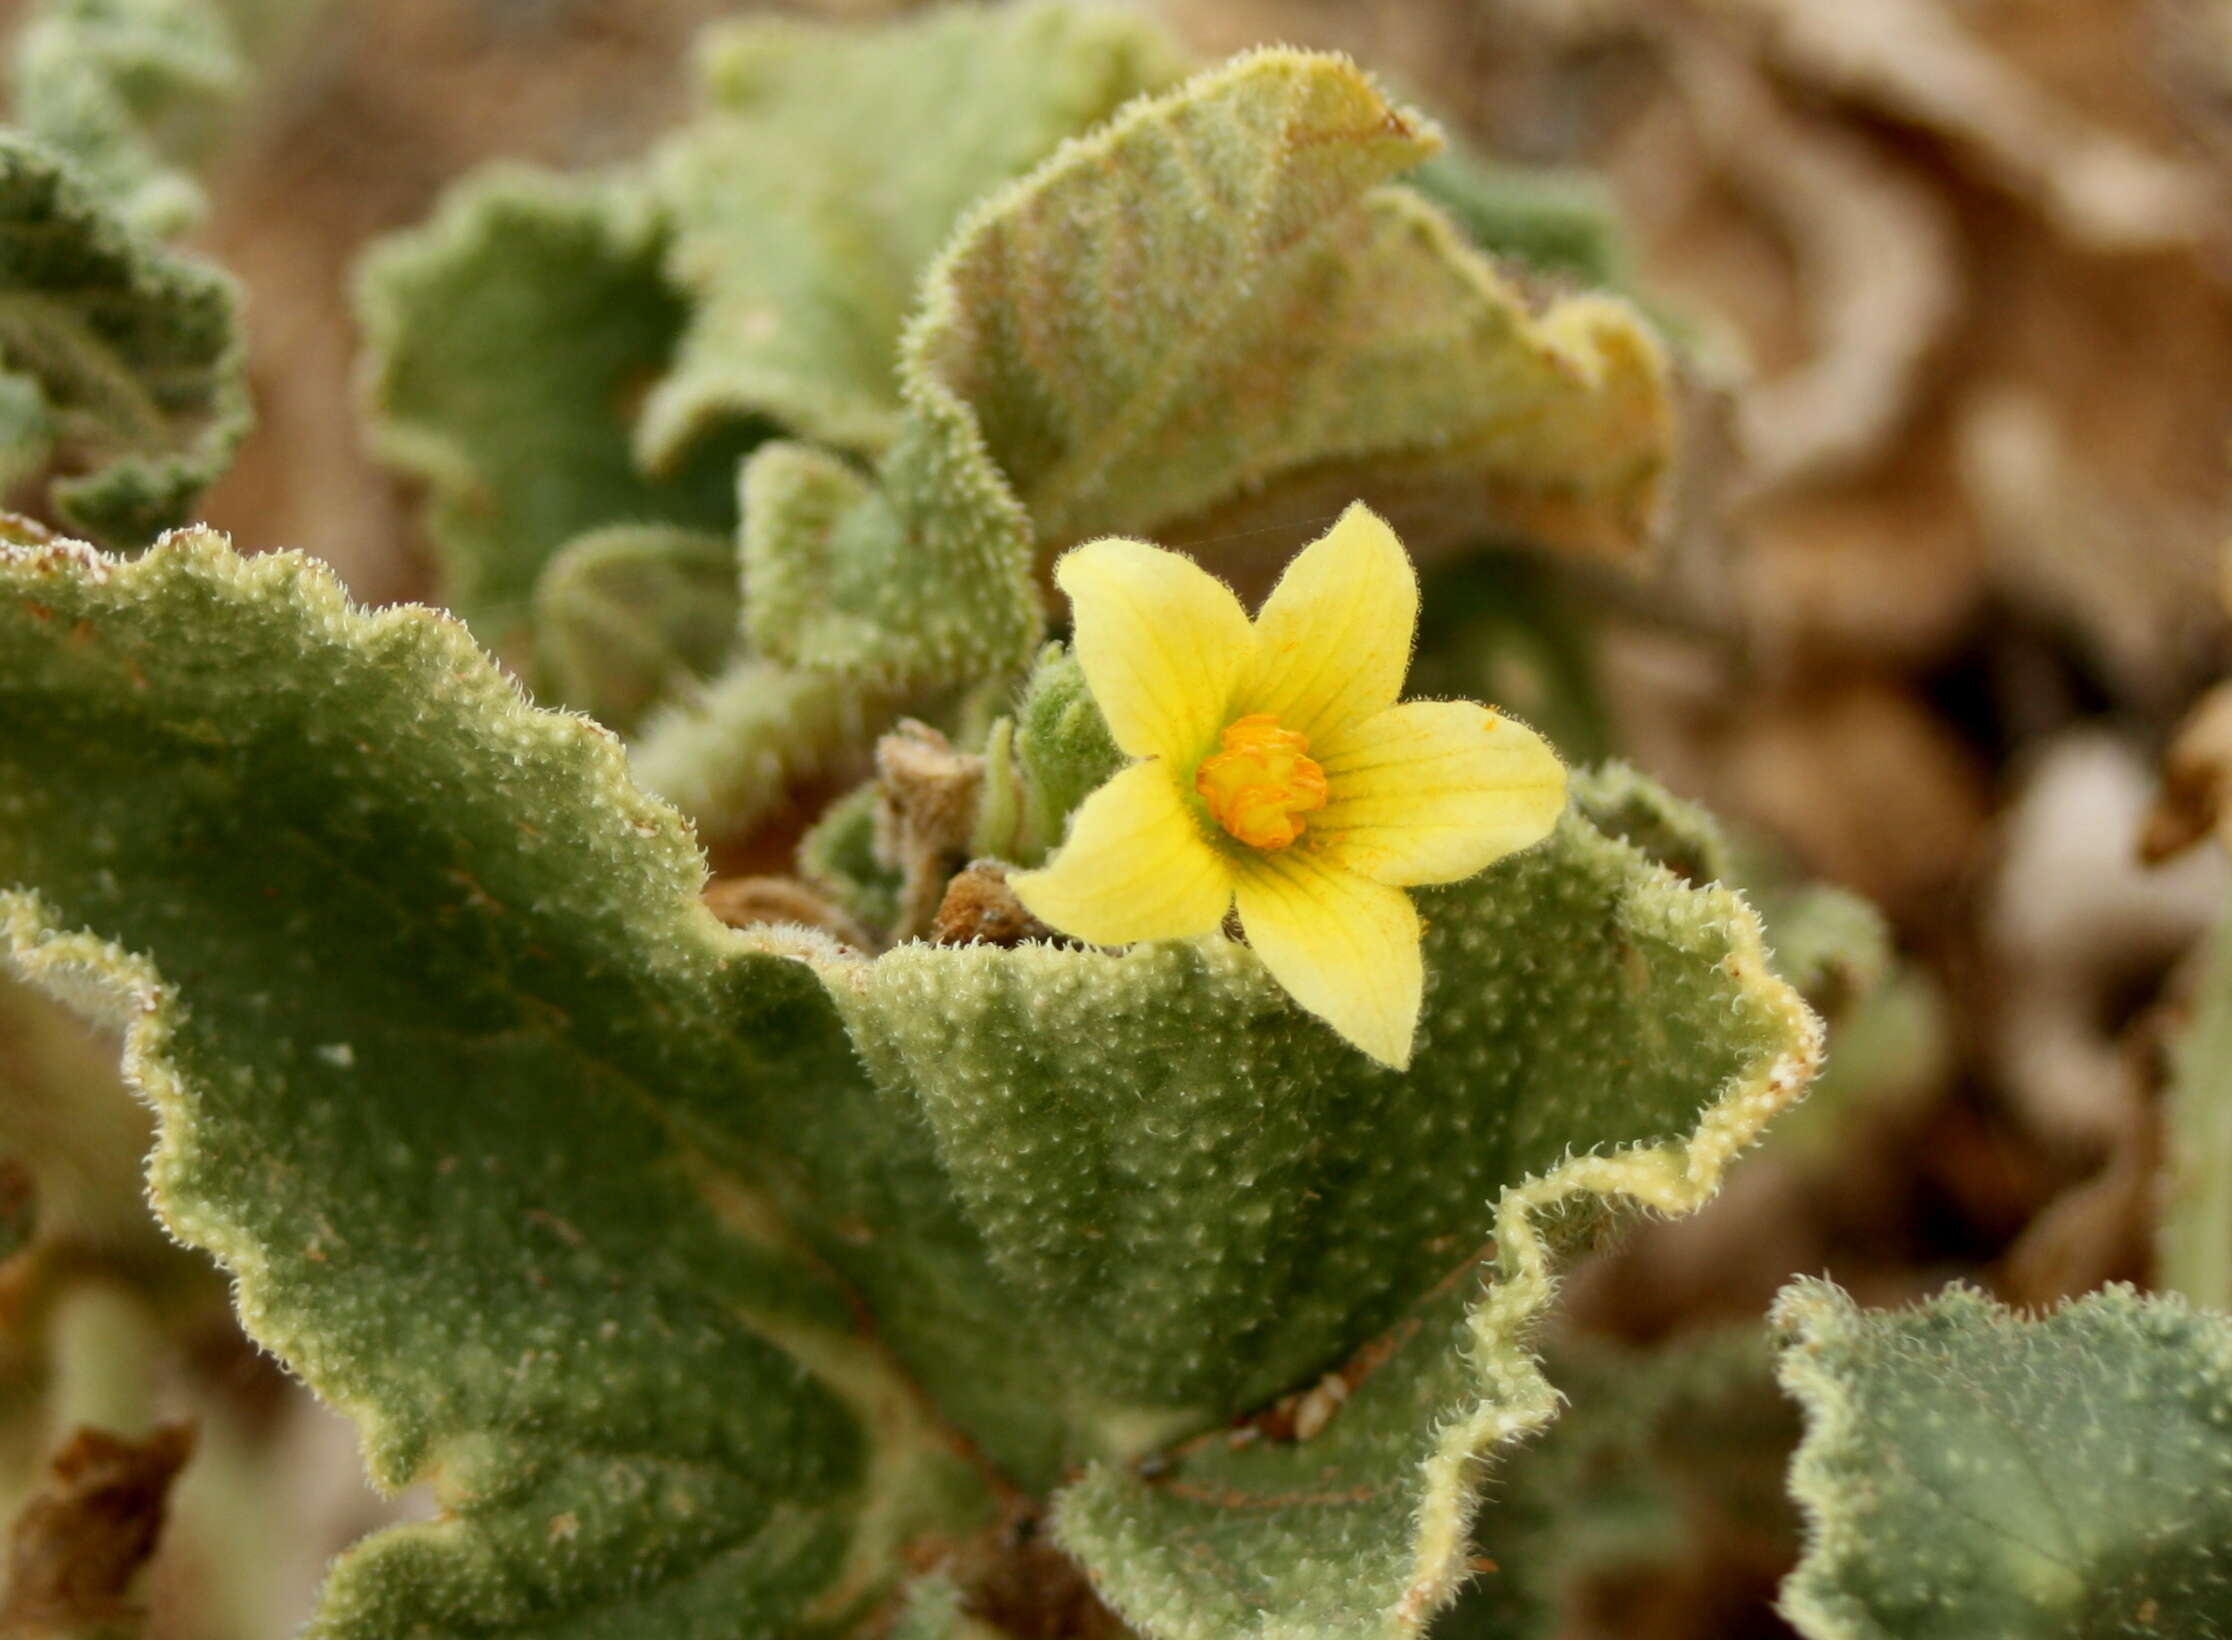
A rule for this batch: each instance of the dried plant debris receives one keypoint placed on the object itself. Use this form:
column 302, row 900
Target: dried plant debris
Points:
column 79, row 1545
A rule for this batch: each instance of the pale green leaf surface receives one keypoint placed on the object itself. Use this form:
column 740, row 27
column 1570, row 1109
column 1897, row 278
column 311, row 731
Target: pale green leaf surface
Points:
column 1967, row 1472
column 134, row 349
column 476, row 1102
column 1593, row 1029
column 129, row 89
column 627, row 615
column 803, row 221
column 509, row 342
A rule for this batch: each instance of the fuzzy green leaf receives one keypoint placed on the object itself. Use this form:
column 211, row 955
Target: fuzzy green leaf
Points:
column 629, row 614
column 141, row 394
column 1657, row 1453
column 510, row 341
column 126, row 88
column 803, row 221
column 1087, row 1105
column 1562, row 223
column 1281, row 317
column 471, row 1095
column 1967, row 1472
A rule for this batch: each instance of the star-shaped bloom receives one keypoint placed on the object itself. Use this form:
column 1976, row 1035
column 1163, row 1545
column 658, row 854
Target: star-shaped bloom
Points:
column 1275, row 771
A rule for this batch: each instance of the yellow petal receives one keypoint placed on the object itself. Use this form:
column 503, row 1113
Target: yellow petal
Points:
column 1434, row 790
column 1162, row 642
column 1334, row 638
column 1345, row 947
column 1135, row 866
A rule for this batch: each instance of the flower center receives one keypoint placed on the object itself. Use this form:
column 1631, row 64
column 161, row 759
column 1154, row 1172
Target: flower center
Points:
column 1262, row 783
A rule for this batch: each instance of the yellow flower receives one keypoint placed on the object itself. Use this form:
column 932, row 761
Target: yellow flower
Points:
column 1276, row 770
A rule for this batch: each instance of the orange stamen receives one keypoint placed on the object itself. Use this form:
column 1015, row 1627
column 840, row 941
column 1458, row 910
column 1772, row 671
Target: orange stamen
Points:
column 1262, row 783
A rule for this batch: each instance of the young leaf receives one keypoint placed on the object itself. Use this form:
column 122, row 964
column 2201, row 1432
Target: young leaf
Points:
column 127, row 91
column 630, row 614
column 1968, row 1472
column 509, row 342
column 140, row 392
column 475, row 1100
column 803, row 221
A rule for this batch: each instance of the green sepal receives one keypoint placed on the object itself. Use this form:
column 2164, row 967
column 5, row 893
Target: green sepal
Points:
column 1968, row 1472
column 1049, row 758
column 630, row 614
column 141, row 390
column 509, row 341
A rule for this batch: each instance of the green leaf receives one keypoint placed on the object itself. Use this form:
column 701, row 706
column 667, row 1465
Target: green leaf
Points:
column 632, row 613
column 1500, row 627
column 1966, row 1472
column 477, row 1103
column 1281, row 314
column 1285, row 320
column 803, row 221
column 1555, row 222
column 141, row 394
column 1662, row 1457
column 26, row 431
column 727, row 754
column 839, row 855
column 509, row 343
column 1211, row 1201
column 2194, row 1240
column 128, row 89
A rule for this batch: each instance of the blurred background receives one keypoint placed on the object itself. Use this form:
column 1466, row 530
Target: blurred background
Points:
column 1953, row 279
